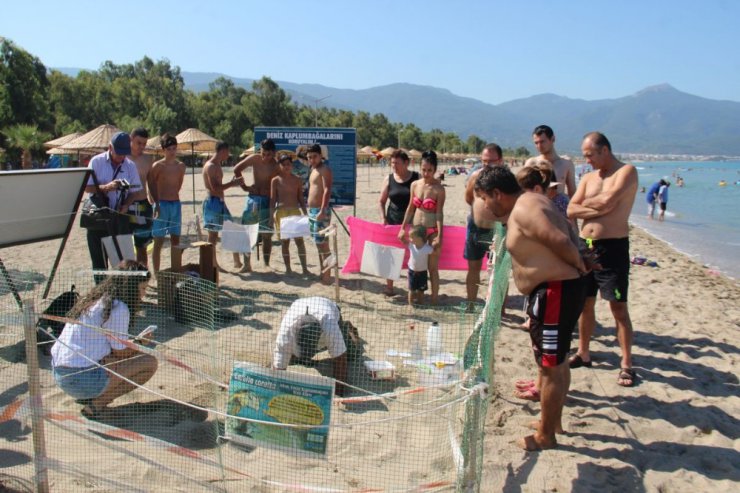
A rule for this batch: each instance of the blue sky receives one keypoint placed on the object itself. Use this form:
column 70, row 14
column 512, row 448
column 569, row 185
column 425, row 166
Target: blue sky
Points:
column 494, row 51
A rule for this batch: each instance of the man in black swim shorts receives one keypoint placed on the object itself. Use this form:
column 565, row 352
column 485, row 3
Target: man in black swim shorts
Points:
column 603, row 201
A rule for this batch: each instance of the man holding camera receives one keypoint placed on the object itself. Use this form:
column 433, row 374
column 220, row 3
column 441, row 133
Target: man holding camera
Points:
column 118, row 179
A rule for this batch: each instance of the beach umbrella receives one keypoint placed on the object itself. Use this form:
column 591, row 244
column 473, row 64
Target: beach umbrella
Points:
column 59, row 141
column 248, row 152
column 196, row 141
column 388, row 151
column 97, row 139
column 414, row 154
column 366, row 151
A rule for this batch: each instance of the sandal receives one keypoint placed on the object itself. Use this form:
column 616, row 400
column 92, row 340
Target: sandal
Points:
column 530, row 394
column 627, row 377
column 93, row 412
column 524, row 384
column 577, row 362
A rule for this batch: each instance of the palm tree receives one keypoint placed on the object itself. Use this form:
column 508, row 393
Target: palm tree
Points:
column 26, row 138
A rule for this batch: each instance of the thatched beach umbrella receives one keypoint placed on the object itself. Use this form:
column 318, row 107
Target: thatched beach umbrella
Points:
column 248, row 152
column 388, row 151
column 414, row 154
column 60, row 141
column 195, row 140
column 97, row 139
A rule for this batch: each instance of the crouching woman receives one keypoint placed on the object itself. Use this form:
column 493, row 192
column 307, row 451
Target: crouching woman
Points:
column 86, row 362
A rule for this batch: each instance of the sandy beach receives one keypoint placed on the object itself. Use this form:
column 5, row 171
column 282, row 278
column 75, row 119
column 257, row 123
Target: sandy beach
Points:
column 678, row 429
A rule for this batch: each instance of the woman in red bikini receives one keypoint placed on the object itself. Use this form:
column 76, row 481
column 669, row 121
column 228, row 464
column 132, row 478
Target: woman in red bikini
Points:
column 425, row 208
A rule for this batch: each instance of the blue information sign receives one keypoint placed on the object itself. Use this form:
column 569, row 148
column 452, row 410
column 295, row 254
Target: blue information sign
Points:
column 339, row 148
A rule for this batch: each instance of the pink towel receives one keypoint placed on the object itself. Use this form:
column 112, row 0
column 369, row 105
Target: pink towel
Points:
column 453, row 244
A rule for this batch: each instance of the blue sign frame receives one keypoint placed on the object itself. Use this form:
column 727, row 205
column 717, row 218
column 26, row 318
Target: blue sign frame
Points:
column 339, row 146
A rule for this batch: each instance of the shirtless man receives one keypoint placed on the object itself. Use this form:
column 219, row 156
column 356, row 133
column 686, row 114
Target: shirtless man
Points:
column 548, row 269
column 214, row 207
column 544, row 140
column 603, row 201
column 286, row 199
column 257, row 208
column 165, row 181
column 141, row 210
column 319, row 213
column 479, row 234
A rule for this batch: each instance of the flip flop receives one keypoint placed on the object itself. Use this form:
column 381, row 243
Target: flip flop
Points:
column 530, row 394
column 524, row 384
column 627, row 377
column 577, row 362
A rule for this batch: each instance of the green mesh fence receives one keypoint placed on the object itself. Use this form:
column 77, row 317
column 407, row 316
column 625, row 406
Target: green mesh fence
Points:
column 411, row 418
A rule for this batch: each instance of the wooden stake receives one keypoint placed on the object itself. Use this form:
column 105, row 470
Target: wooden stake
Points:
column 34, row 390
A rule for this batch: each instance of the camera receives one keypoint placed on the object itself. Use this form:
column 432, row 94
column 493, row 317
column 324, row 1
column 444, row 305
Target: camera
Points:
column 123, row 184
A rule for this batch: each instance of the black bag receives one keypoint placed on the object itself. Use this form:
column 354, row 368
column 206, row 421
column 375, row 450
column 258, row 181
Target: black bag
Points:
column 61, row 305
column 95, row 213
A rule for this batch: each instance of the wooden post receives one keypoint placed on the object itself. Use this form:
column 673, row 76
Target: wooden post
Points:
column 336, row 267
column 34, row 390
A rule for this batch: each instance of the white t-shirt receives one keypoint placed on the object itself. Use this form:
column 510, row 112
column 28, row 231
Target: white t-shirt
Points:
column 419, row 259
column 321, row 310
column 77, row 338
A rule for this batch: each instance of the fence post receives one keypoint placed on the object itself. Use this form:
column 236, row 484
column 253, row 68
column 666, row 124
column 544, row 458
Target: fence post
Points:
column 34, row 390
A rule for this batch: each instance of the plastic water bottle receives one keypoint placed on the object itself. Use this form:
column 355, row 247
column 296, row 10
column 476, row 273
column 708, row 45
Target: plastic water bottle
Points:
column 415, row 345
column 434, row 339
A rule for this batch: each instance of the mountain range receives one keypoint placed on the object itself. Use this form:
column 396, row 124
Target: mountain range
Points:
column 656, row 120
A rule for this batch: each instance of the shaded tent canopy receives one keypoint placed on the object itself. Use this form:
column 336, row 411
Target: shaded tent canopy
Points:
column 388, row 151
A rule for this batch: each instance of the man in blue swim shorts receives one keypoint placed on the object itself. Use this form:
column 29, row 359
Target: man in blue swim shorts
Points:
column 165, row 180
column 215, row 211
column 257, row 207
column 319, row 194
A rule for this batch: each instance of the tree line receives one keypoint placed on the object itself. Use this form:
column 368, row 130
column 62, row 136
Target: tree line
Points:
column 37, row 104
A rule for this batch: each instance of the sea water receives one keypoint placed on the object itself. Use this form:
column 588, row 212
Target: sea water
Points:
column 702, row 218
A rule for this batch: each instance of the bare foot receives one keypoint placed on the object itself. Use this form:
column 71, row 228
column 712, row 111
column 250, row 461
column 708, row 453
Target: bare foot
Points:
column 326, row 280
column 531, row 443
column 245, row 269
column 238, row 265
column 535, row 425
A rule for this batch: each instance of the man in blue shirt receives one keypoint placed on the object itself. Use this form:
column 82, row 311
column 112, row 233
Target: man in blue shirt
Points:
column 652, row 195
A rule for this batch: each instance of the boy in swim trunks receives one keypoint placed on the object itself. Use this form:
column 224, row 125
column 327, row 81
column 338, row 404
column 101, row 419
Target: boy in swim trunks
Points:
column 257, row 207
column 419, row 250
column 215, row 211
column 319, row 194
column 165, row 180
column 286, row 199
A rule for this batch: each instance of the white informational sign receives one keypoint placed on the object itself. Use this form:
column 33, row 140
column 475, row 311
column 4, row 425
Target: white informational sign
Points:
column 38, row 205
column 382, row 261
column 294, row 227
column 125, row 245
column 239, row 237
